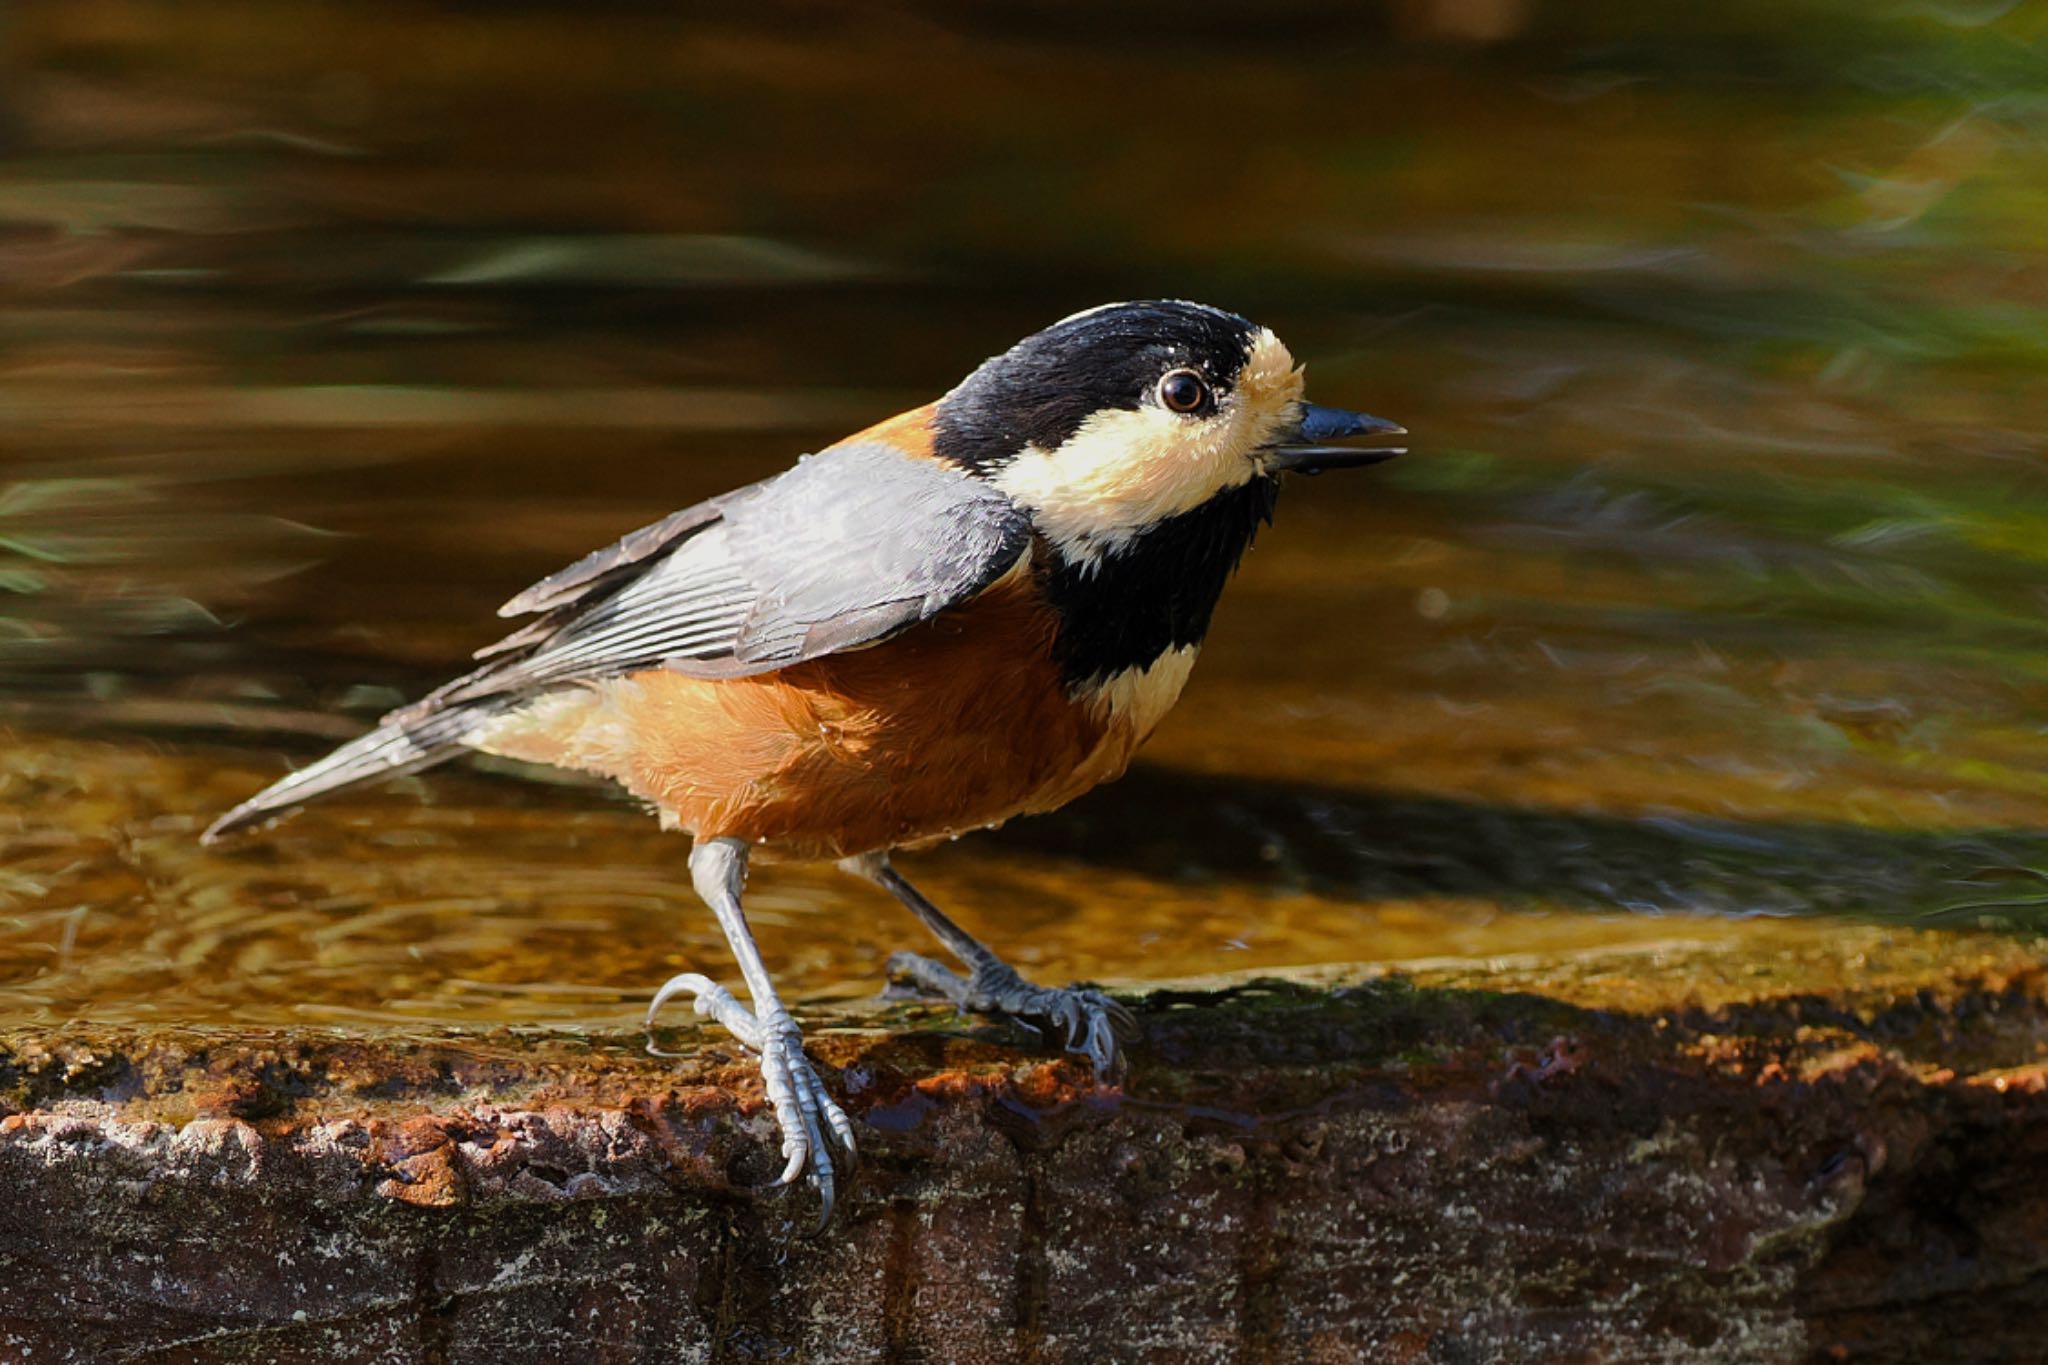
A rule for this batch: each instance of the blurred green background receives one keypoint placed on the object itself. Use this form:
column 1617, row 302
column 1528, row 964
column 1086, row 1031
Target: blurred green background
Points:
column 1710, row 604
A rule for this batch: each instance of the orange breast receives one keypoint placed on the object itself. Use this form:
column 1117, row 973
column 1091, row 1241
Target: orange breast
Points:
column 957, row 723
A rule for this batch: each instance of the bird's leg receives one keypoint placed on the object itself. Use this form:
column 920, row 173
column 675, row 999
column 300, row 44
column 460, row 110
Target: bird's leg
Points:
column 1090, row 1020
column 804, row 1112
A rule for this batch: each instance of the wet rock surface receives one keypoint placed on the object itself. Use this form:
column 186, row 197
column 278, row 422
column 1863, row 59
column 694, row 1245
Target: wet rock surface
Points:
column 1675, row 1153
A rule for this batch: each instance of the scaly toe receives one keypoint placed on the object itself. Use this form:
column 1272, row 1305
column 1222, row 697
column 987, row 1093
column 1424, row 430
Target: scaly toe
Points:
column 923, row 978
column 1094, row 1024
column 806, row 1113
column 813, row 1125
column 1090, row 1021
column 713, row 1001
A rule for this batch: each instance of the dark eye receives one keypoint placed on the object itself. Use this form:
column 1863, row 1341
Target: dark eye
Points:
column 1183, row 391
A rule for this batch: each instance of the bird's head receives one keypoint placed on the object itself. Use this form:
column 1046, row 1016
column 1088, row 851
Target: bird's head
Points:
column 1115, row 421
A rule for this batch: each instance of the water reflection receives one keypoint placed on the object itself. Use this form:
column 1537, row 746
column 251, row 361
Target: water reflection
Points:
column 1713, row 590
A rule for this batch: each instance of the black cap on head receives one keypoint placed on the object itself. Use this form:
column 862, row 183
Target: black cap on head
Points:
column 1040, row 391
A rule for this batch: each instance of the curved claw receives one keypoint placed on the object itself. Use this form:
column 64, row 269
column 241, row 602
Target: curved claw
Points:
column 713, row 1001
column 1095, row 1025
column 696, row 983
column 1092, row 1022
column 798, row 1150
column 842, row 1133
column 804, row 1110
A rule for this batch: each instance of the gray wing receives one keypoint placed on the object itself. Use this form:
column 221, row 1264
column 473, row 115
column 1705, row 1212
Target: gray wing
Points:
column 841, row 551
column 847, row 548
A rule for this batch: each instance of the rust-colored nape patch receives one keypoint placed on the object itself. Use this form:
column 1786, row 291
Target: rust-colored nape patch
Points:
column 909, row 432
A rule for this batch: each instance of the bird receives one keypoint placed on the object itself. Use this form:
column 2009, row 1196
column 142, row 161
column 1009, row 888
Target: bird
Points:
column 975, row 610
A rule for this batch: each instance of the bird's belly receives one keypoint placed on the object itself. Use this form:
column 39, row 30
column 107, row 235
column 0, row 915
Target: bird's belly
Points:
column 957, row 724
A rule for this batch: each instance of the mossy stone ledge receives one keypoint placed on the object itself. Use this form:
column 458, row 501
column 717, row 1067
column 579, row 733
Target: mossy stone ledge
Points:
column 1819, row 1147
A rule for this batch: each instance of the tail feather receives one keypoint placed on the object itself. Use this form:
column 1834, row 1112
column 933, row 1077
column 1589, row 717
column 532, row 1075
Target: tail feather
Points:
column 404, row 742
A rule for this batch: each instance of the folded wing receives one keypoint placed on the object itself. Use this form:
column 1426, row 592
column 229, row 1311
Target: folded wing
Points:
column 841, row 551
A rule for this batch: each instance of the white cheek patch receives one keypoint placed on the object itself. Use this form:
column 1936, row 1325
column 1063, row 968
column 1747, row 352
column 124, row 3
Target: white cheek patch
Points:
column 1124, row 471
column 1121, row 473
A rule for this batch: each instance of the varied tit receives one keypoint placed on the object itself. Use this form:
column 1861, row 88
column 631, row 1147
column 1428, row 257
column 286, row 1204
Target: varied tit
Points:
column 975, row 610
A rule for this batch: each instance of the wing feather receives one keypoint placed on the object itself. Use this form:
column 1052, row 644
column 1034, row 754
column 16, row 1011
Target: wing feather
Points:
column 847, row 548
column 588, row 574
column 844, row 549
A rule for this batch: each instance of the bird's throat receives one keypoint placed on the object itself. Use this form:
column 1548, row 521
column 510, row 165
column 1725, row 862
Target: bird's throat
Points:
column 1123, row 610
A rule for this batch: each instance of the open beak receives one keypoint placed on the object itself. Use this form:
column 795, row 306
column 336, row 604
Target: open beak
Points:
column 1308, row 449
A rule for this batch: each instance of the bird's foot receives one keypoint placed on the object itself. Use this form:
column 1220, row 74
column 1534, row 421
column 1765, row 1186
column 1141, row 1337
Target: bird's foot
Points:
column 812, row 1124
column 1092, row 1022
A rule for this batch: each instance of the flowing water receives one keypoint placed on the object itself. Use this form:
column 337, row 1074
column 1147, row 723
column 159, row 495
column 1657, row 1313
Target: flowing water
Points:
column 1712, row 602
